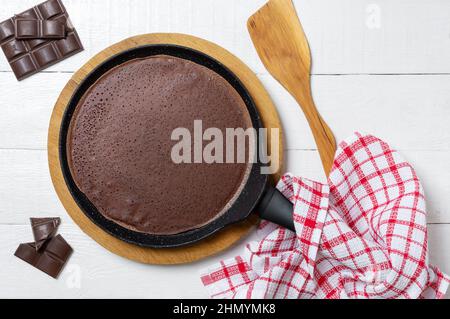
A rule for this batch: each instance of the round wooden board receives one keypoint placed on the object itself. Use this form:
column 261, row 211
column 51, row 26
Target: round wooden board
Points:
column 213, row 244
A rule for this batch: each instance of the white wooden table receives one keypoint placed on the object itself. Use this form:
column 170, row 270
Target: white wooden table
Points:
column 383, row 63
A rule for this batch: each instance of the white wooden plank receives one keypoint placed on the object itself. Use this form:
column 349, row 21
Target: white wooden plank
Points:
column 26, row 108
column 431, row 167
column 26, row 189
column 412, row 36
column 410, row 112
column 101, row 273
column 93, row 272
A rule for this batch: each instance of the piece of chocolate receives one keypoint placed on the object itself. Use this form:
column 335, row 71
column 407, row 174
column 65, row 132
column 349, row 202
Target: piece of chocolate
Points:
column 51, row 259
column 27, row 57
column 39, row 29
column 44, row 229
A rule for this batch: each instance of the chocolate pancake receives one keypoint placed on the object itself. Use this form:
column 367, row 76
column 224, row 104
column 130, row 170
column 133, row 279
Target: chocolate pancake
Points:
column 119, row 145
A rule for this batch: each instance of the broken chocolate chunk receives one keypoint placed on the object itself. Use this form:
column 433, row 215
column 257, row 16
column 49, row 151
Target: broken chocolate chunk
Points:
column 44, row 229
column 50, row 259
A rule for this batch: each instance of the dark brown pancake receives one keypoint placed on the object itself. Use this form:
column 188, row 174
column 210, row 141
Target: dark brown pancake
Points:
column 119, row 145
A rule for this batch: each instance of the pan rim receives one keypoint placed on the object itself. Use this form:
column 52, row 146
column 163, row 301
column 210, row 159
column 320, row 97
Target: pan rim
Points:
column 239, row 210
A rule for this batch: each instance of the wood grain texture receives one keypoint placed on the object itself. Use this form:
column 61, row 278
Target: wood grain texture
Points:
column 408, row 111
column 211, row 245
column 391, row 80
column 413, row 35
column 282, row 46
column 26, row 188
column 95, row 273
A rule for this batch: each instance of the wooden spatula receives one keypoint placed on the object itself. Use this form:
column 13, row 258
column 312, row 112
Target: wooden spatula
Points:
column 282, row 46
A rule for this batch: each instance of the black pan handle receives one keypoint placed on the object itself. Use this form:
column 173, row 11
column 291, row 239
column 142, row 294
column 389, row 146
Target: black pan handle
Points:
column 276, row 208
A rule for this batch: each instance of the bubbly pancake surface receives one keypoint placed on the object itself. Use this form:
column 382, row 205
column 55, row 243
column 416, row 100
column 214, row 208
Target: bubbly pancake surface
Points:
column 119, row 145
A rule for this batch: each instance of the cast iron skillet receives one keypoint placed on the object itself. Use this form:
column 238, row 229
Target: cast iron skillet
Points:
column 257, row 192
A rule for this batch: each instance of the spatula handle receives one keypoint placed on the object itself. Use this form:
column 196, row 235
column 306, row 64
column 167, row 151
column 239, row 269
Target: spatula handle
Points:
column 323, row 135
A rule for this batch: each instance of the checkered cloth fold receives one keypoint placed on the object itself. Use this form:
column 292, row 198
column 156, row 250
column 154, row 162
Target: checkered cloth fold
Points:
column 364, row 235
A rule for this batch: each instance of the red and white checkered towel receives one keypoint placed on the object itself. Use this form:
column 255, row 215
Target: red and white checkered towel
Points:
column 364, row 235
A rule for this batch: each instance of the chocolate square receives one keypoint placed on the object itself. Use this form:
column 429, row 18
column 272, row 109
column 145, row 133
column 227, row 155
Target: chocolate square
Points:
column 45, row 54
column 23, row 66
column 44, row 229
column 68, row 45
column 50, row 9
column 13, row 48
column 39, row 29
column 6, row 29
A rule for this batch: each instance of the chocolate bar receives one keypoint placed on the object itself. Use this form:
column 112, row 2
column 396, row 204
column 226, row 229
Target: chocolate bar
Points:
column 27, row 57
column 51, row 259
column 43, row 229
column 39, row 29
